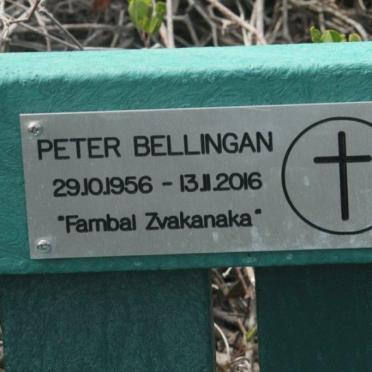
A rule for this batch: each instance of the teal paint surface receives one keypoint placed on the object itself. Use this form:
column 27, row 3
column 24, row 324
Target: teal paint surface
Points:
column 315, row 318
column 108, row 322
column 144, row 79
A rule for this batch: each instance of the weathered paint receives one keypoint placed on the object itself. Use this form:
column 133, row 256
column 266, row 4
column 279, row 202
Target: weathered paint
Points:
column 127, row 322
column 115, row 80
column 315, row 318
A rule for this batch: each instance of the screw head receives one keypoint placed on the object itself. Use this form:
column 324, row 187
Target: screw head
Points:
column 43, row 246
column 35, row 128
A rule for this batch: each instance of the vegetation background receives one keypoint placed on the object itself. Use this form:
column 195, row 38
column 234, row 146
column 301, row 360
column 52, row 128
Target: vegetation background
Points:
column 56, row 25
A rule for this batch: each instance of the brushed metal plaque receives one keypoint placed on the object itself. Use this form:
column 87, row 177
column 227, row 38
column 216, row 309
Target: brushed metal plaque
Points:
column 204, row 180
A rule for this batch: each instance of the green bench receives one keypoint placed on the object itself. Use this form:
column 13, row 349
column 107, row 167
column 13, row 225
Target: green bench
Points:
column 152, row 312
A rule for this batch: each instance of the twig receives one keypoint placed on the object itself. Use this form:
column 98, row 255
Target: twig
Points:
column 286, row 32
column 229, row 318
column 26, row 17
column 226, row 343
column 208, row 20
column 118, row 28
column 247, row 291
column 2, row 7
column 10, row 23
column 61, row 41
column 228, row 13
column 170, row 33
column 190, row 27
column 60, row 26
column 41, row 22
column 260, row 12
column 246, row 39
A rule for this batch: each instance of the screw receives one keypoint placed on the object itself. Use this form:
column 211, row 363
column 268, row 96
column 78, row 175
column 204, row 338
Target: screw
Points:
column 35, row 128
column 43, row 246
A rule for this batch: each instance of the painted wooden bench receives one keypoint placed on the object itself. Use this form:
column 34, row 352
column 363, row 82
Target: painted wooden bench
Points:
column 153, row 312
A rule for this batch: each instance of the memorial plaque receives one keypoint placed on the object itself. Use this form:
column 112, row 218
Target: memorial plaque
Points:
column 203, row 180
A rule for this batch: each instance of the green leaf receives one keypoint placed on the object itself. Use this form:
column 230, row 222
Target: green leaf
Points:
column 250, row 334
column 157, row 18
column 332, row 36
column 145, row 17
column 140, row 12
column 316, row 35
column 354, row 37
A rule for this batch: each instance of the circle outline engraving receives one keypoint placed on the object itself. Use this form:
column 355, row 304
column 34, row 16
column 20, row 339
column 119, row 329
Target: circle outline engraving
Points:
column 283, row 176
